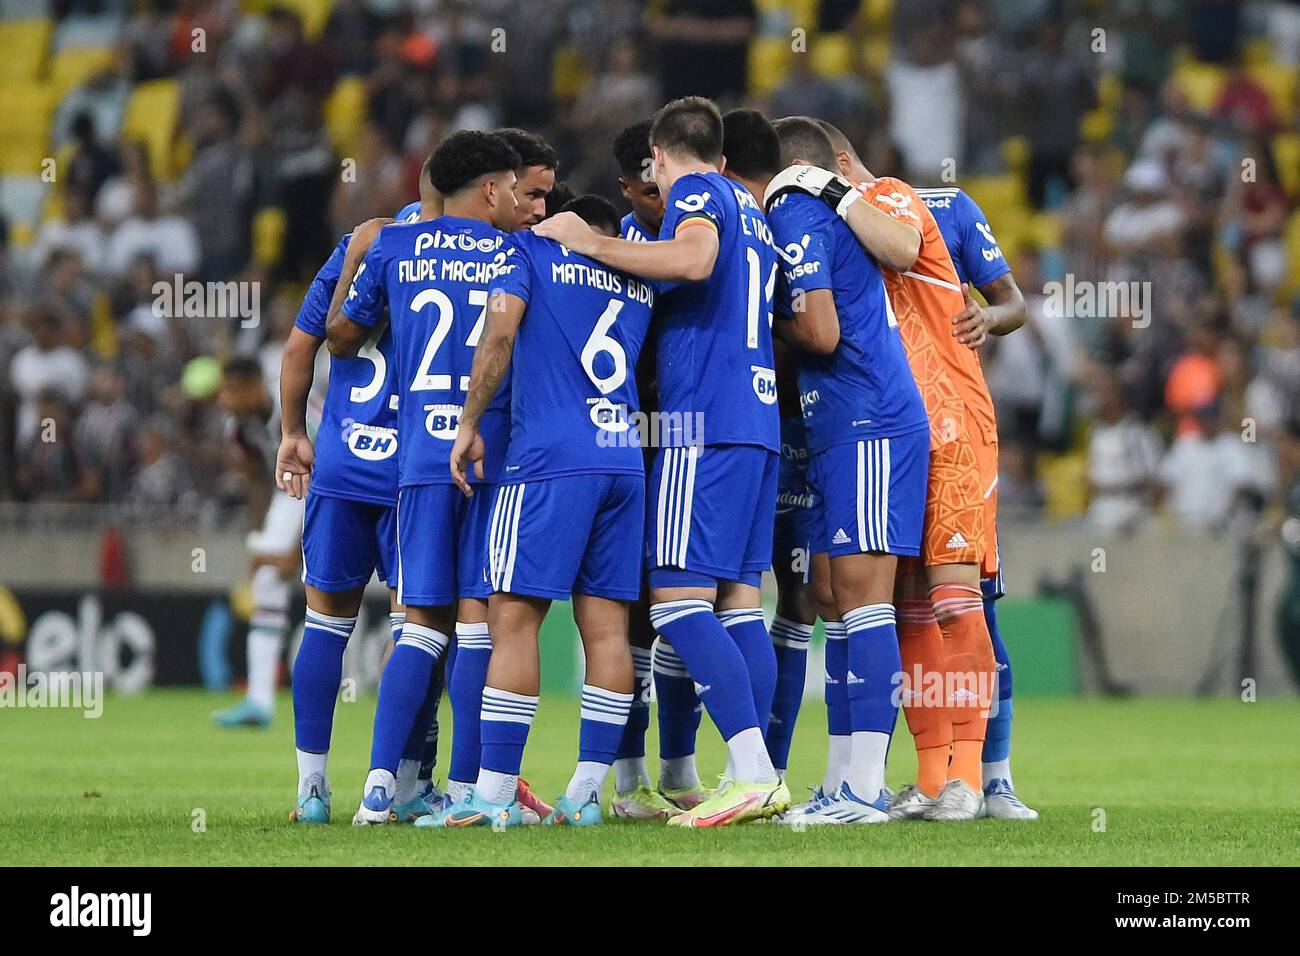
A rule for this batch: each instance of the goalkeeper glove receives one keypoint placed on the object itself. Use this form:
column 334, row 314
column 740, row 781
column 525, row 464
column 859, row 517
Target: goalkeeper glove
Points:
column 831, row 188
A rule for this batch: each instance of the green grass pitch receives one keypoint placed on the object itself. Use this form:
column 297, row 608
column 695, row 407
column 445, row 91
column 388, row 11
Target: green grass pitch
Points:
column 1151, row 782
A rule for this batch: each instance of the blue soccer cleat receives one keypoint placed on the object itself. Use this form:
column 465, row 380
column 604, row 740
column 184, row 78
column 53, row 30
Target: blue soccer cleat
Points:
column 430, row 801
column 571, row 813
column 243, row 714
column 473, row 812
column 314, row 804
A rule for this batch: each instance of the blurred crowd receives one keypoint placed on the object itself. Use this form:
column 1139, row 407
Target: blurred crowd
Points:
column 1180, row 404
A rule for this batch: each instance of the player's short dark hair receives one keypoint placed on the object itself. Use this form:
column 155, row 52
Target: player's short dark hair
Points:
column 532, row 149
column 244, row 368
column 751, row 145
column 595, row 211
column 560, row 194
column 463, row 157
column 802, row 138
column 690, row 125
column 632, row 149
column 839, row 141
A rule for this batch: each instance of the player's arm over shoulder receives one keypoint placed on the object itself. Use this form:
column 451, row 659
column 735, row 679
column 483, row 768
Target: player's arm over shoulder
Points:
column 344, row 334
column 887, row 225
column 688, row 255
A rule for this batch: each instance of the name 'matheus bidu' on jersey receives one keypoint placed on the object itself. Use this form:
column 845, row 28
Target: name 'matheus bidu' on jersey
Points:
column 433, row 278
column 356, row 445
column 715, row 339
column 864, row 389
column 574, row 362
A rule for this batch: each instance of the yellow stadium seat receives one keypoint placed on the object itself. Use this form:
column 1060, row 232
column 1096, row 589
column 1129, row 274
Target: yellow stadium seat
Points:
column 314, row 13
column 269, row 225
column 151, row 117
column 1095, row 126
column 1016, row 154
column 769, row 58
column 1065, row 483
column 345, row 113
column 1046, row 230
column 21, row 234
column 832, row 55
column 1257, row 50
column 876, row 51
column 71, row 67
column 1292, row 241
column 1110, row 90
column 1201, row 82
column 1286, row 157
column 1005, row 191
column 800, row 12
column 1279, row 81
column 23, row 45
column 25, row 124
column 877, row 13
column 569, row 73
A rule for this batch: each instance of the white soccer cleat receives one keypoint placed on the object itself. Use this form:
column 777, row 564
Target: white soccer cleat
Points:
column 846, row 807
column 910, row 803
column 377, row 805
column 800, row 811
column 1001, row 802
column 956, row 802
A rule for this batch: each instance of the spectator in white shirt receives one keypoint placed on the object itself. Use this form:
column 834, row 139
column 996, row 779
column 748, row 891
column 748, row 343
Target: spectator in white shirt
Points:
column 1211, row 474
column 75, row 231
column 1123, row 462
column 171, row 241
column 47, row 365
column 1149, row 219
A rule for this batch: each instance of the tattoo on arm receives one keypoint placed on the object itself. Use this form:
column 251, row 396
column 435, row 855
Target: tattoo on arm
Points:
column 491, row 362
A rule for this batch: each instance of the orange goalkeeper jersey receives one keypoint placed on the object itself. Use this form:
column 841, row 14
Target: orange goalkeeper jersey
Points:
column 926, row 298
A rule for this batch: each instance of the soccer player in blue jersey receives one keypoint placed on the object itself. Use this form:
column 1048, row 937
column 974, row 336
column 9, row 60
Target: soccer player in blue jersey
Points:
column 868, row 433
column 653, row 661
column 636, row 180
column 752, row 149
column 980, row 264
column 349, row 477
column 534, row 183
column 349, row 530
column 713, row 486
column 432, row 277
column 568, row 515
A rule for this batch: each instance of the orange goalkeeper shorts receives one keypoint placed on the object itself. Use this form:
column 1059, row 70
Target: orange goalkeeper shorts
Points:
column 961, row 504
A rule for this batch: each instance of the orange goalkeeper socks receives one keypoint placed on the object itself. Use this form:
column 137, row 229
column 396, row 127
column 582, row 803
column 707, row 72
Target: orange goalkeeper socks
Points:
column 971, row 669
column 920, row 644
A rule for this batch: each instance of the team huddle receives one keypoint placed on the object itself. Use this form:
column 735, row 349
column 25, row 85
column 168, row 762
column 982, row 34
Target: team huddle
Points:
column 769, row 363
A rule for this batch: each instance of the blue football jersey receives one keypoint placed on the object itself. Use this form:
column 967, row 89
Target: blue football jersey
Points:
column 865, row 388
column 433, row 279
column 633, row 231
column 494, row 426
column 356, row 444
column 966, row 233
column 715, row 336
column 574, row 362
